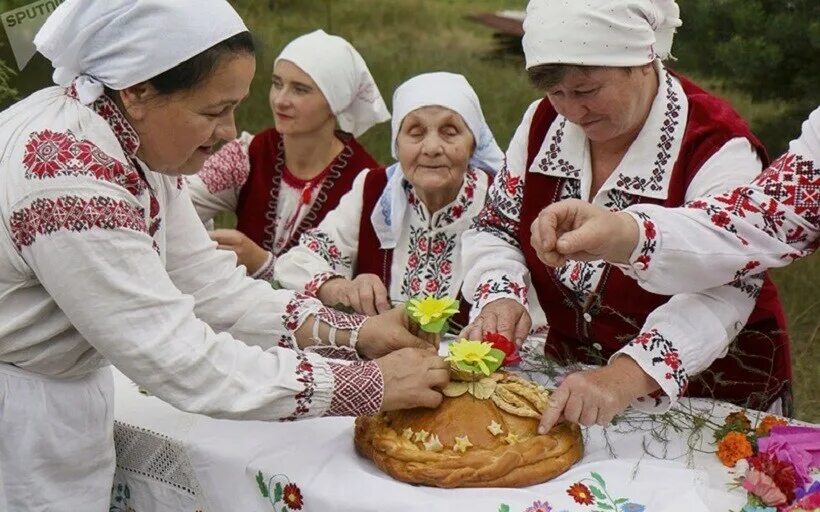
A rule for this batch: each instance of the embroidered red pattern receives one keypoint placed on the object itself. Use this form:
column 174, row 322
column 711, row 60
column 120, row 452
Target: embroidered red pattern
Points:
column 320, row 243
column 340, row 320
column 50, row 154
column 430, row 263
column 500, row 215
column 108, row 110
column 227, row 169
column 653, row 347
column 502, row 286
column 304, row 398
column 649, row 243
column 312, row 286
column 73, row 213
column 358, row 389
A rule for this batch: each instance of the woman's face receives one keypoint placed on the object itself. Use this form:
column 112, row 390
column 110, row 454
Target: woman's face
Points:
column 179, row 131
column 434, row 147
column 605, row 102
column 297, row 103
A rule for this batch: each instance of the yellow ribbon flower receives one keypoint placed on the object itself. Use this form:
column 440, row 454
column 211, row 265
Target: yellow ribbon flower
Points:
column 475, row 355
column 432, row 313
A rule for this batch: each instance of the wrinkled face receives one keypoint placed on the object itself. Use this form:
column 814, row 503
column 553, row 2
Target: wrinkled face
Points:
column 178, row 131
column 605, row 102
column 297, row 103
column 434, row 146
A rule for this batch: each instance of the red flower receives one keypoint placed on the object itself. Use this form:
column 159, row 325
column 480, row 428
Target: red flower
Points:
column 333, row 251
column 422, row 244
column 645, row 259
column 293, row 497
column 643, row 338
column 511, row 185
column 649, row 229
column 721, row 219
column 413, row 261
column 458, row 211
column 580, row 493
column 671, row 359
column 415, row 284
column 782, row 473
column 751, row 265
column 698, row 204
column 469, row 191
column 154, row 207
column 499, row 341
column 438, row 247
column 432, row 286
column 313, row 246
column 576, row 273
column 446, row 268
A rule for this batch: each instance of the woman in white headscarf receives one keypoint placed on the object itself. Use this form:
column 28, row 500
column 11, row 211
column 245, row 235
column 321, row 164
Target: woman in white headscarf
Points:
column 397, row 233
column 104, row 261
column 617, row 128
column 283, row 181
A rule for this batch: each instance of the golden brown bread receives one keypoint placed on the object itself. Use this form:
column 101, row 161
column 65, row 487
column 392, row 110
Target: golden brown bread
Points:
column 402, row 443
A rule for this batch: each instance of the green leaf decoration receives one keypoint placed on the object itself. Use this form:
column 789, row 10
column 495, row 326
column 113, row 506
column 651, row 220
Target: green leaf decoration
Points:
column 277, row 492
column 263, row 488
column 435, row 327
column 604, row 506
column 503, row 508
column 597, row 492
column 621, row 501
column 499, row 356
column 598, row 479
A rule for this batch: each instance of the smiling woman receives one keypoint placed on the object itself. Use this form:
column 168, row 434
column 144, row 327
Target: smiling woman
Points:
column 397, row 233
column 103, row 260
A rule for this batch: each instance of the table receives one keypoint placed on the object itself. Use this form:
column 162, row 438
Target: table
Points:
column 169, row 460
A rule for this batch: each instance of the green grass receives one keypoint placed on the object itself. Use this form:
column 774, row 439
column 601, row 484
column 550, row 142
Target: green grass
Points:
column 401, row 38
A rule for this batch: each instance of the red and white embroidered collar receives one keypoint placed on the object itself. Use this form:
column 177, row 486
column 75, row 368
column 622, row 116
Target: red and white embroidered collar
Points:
column 106, row 108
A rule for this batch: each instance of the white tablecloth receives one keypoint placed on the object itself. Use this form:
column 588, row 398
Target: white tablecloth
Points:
column 169, row 460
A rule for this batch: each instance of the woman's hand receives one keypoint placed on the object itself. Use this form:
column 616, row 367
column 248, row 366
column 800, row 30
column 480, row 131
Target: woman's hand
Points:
column 247, row 252
column 392, row 331
column 577, row 230
column 594, row 397
column 412, row 378
column 504, row 316
column 366, row 294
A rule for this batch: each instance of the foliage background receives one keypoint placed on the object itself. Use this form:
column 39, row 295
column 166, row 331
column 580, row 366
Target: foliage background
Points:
column 762, row 55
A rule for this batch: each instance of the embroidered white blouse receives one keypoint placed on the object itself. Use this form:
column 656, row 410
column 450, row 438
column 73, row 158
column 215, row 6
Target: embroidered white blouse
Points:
column 427, row 257
column 699, row 324
column 104, row 261
column 769, row 222
column 217, row 186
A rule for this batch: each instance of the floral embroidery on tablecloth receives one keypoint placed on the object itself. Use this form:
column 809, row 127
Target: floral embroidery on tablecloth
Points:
column 320, row 243
column 589, row 492
column 430, row 263
column 281, row 493
column 120, row 496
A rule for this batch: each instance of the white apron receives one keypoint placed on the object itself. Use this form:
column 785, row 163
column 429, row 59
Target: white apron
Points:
column 56, row 441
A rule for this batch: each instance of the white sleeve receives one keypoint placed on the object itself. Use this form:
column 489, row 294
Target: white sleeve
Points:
column 328, row 250
column 491, row 254
column 766, row 223
column 697, row 328
column 216, row 187
column 106, row 276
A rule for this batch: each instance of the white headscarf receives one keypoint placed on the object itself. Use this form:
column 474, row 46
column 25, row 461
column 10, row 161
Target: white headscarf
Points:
column 442, row 89
column 617, row 33
column 120, row 43
column 343, row 77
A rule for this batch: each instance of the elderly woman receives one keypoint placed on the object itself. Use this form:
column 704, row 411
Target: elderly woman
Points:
column 283, row 181
column 618, row 128
column 397, row 233
column 104, row 260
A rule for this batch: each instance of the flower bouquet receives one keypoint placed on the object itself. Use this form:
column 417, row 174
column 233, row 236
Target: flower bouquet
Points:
column 774, row 462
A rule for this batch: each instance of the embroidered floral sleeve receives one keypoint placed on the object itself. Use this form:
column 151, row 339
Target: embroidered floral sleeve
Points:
column 265, row 272
column 216, row 187
column 491, row 255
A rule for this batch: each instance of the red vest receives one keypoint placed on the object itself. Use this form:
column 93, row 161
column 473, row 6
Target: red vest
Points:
column 372, row 259
column 758, row 373
column 256, row 208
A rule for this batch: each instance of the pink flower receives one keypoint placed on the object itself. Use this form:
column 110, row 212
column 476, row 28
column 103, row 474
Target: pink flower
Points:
column 762, row 486
column 539, row 506
column 797, row 457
